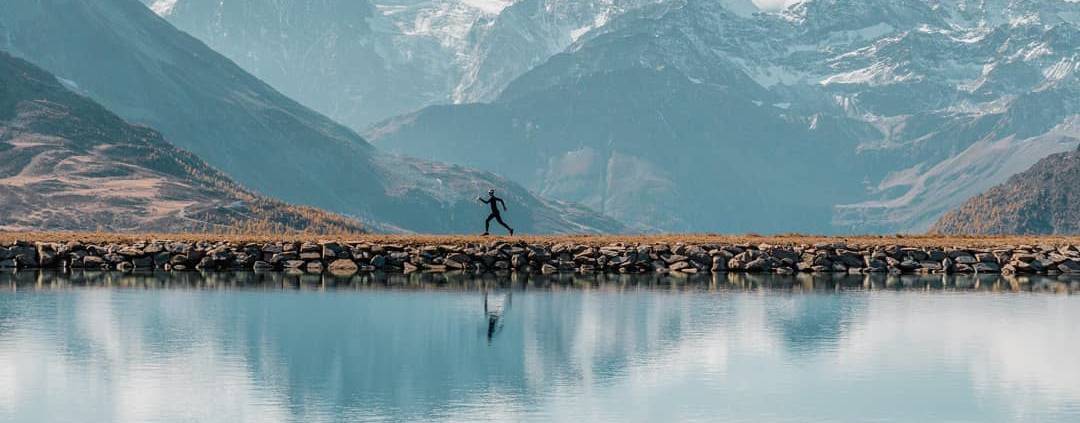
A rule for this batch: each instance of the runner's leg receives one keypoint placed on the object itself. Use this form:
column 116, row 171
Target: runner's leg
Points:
column 499, row 219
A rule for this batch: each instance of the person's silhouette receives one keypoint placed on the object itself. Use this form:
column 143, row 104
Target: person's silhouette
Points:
column 495, row 315
column 494, row 201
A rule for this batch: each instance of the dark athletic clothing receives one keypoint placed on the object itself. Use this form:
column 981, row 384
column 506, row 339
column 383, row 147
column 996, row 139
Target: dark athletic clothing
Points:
column 498, row 218
column 494, row 201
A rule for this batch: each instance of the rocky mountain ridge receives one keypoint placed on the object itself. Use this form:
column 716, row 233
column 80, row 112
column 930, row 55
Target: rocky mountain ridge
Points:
column 69, row 164
column 829, row 116
column 1042, row 200
column 122, row 55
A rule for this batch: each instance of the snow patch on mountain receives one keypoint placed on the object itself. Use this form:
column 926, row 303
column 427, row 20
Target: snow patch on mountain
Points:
column 1031, row 52
column 491, row 7
column 163, row 7
column 771, row 75
column 447, row 21
column 874, row 75
column 1025, row 20
column 1058, row 72
column 600, row 20
column 774, row 5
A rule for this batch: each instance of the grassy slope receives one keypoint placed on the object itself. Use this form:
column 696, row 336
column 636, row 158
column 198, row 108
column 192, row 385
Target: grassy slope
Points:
column 35, row 107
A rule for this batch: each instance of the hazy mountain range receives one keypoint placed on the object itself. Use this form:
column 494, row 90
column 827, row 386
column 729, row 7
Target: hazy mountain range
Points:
column 827, row 116
column 119, row 53
column 361, row 61
column 67, row 163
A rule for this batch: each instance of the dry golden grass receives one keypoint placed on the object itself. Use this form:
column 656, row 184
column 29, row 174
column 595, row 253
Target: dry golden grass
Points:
column 597, row 240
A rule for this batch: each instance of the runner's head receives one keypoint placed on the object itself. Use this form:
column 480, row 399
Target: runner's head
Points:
column 491, row 192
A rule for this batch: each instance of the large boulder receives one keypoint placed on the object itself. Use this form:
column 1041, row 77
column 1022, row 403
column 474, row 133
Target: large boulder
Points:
column 332, row 251
column 1069, row 266
column 340, row 266
column 25, row 255
column 987, row 268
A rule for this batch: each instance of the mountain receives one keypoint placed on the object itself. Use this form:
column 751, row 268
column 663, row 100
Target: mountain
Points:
column 70, row 164
column 525, row 34
column 828, row 116
column 353, row 60
column 1042, row 200
column 122, row 55
column 362, row 61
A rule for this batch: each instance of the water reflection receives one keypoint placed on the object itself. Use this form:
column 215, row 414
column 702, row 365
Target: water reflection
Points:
column 466, row 281
column 494, row 312
column 100, row 346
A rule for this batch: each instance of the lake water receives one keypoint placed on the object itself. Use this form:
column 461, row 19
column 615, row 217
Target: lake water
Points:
column 111, row 347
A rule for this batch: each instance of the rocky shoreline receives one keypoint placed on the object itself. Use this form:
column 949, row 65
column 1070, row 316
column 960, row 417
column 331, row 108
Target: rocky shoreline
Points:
column 507, row 256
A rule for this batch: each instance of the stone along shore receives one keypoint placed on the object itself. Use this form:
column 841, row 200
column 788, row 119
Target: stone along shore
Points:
column 507, row 256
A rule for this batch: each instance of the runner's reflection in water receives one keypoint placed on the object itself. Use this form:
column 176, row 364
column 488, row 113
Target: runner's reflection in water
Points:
column 494, row 313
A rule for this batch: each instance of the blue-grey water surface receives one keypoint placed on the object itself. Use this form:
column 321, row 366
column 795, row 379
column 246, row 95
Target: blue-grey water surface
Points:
column 229, row 347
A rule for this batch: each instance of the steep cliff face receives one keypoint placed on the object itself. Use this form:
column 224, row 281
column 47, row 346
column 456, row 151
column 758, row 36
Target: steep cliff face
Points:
column 67, row 163
column 122, row 55
column 829, row 116
column 1042, row 200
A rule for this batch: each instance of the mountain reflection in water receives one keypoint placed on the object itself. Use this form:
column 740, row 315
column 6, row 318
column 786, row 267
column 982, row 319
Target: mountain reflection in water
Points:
column 107, row 346
column 805, row 282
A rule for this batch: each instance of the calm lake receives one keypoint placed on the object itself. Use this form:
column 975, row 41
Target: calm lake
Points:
column 268, row 347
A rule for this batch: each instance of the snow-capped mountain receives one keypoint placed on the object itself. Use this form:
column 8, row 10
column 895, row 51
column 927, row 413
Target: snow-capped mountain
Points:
column 361, row 61
column 829, row 115
column 353, row 60
column 524, row 35
column 123, row 56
